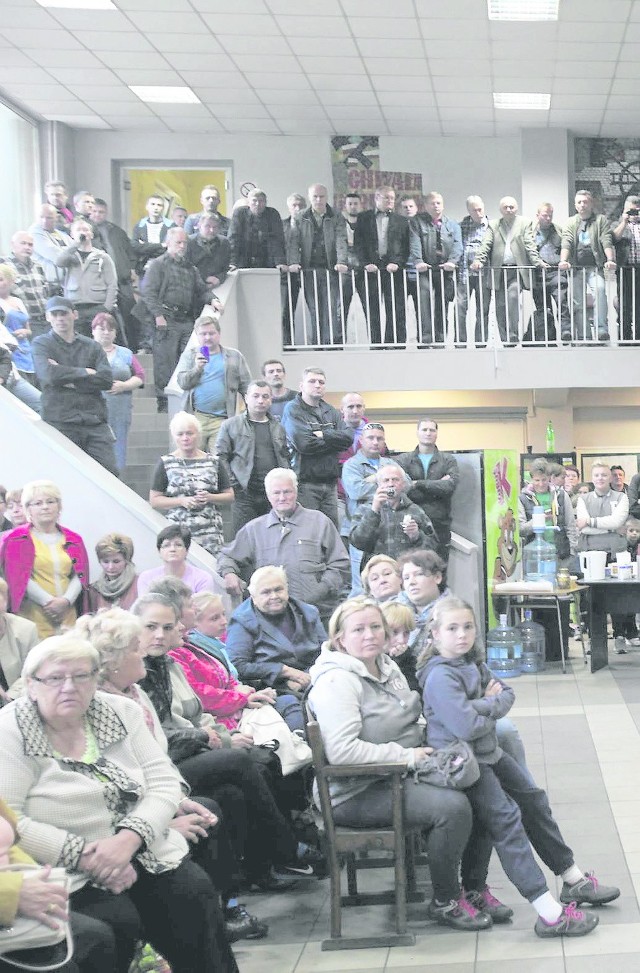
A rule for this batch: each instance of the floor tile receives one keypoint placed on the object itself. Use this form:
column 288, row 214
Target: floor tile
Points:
column 503, row 944
column 611, row 962
column 452, row 947
column 313, row 960
column 605, row 940
column 537, row 965
column 270, row 956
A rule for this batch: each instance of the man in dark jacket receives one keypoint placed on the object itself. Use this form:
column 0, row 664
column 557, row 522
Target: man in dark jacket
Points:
column 209, row 252
column 150, row 233
column 436, row 249
column 312, row 249
column 381, row 243
column 549, row 284
column 248, row 446
column 435, row 477
column 290, row 283
column 73, row 372
column 113, row 239
column 256, row 234
column 317, row 434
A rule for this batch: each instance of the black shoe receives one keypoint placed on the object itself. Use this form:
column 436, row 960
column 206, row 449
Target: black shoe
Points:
column 239, row 924
column 271, row 882
column 162, row 405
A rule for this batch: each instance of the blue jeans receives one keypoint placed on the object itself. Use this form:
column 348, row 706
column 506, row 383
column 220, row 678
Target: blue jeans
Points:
column 510, row 740
column 290, row 709
column 588, row 281
column 355, row 557
column 514, row 812
column 26, row 392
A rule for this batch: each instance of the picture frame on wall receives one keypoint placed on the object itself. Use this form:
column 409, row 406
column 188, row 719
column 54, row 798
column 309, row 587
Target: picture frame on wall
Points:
column 630, row 463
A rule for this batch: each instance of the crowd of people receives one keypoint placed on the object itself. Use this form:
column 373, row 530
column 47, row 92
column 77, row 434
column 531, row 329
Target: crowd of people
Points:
column 126, row 754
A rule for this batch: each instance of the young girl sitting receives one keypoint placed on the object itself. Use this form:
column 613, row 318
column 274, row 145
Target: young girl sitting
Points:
column 463, row 701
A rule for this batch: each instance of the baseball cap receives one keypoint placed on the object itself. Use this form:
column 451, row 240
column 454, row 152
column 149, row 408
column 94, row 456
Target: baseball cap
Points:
column 59, row 304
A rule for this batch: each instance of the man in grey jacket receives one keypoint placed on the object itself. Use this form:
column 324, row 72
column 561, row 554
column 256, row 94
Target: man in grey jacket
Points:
column 213, row 376
column 90, row 279
column 249, row 446
column 587, row 245
column 304, row 542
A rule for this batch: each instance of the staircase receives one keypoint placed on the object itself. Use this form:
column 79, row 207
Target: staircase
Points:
column 148, row 436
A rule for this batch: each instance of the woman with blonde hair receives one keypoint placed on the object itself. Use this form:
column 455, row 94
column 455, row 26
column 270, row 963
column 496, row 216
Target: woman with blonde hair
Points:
column 117, row 586
column 15, row 318
column 189, row 485
column 381, row 578
column 45, row 565
column 368, row 714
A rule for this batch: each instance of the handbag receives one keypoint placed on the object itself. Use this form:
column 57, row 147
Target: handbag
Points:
column 453, row 766
column 22, row 942
column 267, row 728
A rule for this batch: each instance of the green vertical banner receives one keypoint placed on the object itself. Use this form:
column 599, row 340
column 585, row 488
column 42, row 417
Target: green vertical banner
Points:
column 501, row 489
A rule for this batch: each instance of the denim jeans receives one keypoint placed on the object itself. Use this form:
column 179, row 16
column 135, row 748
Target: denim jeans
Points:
column 514, row 812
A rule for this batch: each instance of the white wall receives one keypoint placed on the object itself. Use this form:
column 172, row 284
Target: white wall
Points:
column 281, row 165
column 20, row 174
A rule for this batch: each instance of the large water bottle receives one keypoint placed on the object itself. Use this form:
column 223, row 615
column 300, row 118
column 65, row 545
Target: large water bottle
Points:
column 539, row 557
column 533, row 643
column 504, row 650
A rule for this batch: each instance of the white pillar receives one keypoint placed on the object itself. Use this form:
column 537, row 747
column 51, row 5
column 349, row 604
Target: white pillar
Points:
column 547, row 171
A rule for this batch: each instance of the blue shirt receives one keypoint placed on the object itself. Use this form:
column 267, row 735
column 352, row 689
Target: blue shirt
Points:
column 209, row 395
column 425, row 459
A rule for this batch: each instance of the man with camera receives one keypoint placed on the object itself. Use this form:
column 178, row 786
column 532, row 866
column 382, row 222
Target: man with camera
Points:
column 626, row 237
column 391, row 524
column 90, row 279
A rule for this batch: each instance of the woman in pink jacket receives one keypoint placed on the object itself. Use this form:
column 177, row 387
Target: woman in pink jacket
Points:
column 206, row 665
column 44, row 564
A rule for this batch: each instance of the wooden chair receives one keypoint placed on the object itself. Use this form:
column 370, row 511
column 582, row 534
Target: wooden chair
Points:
column 346, row 843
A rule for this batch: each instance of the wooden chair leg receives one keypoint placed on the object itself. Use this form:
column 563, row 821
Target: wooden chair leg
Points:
column 336, row 892
column 352, row 875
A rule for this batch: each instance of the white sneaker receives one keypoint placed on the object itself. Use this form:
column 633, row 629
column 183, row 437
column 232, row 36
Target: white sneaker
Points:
column 634, row 641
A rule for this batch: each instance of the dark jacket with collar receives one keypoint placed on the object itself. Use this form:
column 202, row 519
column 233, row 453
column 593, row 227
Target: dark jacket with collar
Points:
column 210, row 257
column 140, row 240
column 424, row 240
column 600, row 237
column 112, row 238
column 236, row 447
column 240, row 235
column 68, row 393
column 259, row 649
column 366, row 240
column 381, row 532
column 301, row 238
column 315, row 458
column 523, row 248
column 433, row 494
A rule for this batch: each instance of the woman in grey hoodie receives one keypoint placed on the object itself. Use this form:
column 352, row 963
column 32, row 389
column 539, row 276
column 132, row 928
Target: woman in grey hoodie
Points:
column 368, row 714
column 463, row 701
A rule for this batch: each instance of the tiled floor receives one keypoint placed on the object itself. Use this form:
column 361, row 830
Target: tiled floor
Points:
column 582, row 734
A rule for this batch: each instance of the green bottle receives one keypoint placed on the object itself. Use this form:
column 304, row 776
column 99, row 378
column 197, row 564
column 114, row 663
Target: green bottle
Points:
column 551, row 438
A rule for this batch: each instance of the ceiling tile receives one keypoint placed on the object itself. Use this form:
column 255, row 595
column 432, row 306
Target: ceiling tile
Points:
column 586, row 68
column 630, row 52
column 214, row 79
column 400, row 82
column 387, row 65
column 356, row 98
column 589, row 10
column 215, row 61
column 31, row 17
column 31, row 74
column 225, row 111
column 313, row 126
column 75, row 20
column 623, row 101
column 177, row 6
column 79, row 121
column 585, row 52
column 464, row 9
column 508, row 34
column 346, row 111
column 267, row 127
column 410, row 111
column 579, row 102
column 289, row 96
column 378, row 8
column 335, row 82
column 150, row 124
column 394, row 47
column 384, row 27
column 237, row 44
column 625, row 85
column 97, row 40
column 470, row 99
column 463, row 83
column 230, row 96
column 317, row 27
column 464, row 47
column 333, row 65
column 117, row 107
column 260, row 79
column 340, row 46
column 60, row 59
column 453, row 67
column 614, row 30
column 77, row 76
column 137, row 76
column 123, row 59
column 58, row 39
column 476, row 114
column 231, row 6
column 109, row 92
column 389, row 99
column 235, row 23
column 39, row 92
column 279, row 64
column 453, row 30
column 184, row 23
column 186, row 45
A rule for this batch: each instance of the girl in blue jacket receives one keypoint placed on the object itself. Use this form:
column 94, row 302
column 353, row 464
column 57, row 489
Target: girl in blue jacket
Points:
column 463, row 701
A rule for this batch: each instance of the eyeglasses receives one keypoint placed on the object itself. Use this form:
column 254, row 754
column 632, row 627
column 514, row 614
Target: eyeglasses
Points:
column 58, row 681
column 373, row 425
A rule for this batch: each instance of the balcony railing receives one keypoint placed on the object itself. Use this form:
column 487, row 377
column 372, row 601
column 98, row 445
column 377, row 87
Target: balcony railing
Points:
column 495, row 308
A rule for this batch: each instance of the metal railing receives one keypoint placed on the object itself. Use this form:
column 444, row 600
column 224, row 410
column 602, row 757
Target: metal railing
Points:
column 494, row 308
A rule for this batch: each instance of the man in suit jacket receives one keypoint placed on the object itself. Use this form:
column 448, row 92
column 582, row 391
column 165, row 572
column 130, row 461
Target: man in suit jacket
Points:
column 509, row 248
column 381, row 242
column 312, row 249
column 256, row 234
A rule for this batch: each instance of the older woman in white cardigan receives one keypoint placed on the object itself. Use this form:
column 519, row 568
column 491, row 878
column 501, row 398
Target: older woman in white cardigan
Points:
column 94, row 793
column 17, row 637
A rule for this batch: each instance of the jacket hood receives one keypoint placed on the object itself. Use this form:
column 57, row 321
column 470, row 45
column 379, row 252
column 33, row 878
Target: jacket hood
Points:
column 438, row 660
column 329, row 661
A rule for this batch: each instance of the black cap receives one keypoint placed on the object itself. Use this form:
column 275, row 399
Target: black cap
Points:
column 59, row 304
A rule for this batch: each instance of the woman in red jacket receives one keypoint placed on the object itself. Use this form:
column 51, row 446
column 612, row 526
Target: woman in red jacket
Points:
column 45, row 565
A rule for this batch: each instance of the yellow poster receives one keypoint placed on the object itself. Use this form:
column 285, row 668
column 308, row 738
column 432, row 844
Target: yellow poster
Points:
column 177, row 187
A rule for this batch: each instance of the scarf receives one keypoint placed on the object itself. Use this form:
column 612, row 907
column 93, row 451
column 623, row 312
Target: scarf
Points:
column 213, row 647
column 114, row 588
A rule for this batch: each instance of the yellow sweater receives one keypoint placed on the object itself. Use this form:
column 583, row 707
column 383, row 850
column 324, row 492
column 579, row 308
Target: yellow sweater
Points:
column 11, row 882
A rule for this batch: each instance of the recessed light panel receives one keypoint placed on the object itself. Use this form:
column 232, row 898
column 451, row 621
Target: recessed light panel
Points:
column 524, row 100
column 523, row 9
column 162, row 94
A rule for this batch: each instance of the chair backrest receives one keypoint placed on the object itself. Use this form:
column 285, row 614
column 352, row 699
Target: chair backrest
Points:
column 314, row 738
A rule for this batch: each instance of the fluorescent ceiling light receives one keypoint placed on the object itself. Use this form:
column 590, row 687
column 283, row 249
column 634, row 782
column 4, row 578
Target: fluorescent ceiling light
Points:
column 523, row 9
column 79, row 4
column 527, row 100
column 164, row 94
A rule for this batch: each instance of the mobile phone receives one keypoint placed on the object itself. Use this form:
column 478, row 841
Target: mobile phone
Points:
column 204, row 351
column 391, row 492
column 633, row 212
